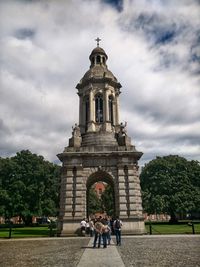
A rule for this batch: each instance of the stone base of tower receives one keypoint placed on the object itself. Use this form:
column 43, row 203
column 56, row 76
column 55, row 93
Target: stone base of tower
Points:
column 68, row 228
column 130, row 227
column 133, row 227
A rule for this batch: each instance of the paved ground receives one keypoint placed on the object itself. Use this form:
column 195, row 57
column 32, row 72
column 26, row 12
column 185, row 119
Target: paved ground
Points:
column 44, row 252
column 101, row 257
column 145, row 251
column 161, row 251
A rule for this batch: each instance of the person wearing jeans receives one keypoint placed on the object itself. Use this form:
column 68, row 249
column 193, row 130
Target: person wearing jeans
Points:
column 97, row 233
column 117, row 228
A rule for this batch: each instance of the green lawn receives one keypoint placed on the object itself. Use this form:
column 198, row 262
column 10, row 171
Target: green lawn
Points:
column 26, row 232
column 44, row 231
column 173, row 228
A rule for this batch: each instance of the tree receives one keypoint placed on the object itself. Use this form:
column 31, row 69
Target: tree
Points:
column 94, row 202
column 29, row 186
column 171, row 184
column 107, row 198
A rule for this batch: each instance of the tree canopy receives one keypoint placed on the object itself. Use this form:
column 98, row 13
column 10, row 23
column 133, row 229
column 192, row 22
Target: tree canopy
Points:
column 171, row 184
column 94, row 202
column 107, row 198
column 104, row 203
column 29, row 186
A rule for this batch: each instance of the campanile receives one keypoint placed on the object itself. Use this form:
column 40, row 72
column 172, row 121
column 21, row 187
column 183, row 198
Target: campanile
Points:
column 100, row 150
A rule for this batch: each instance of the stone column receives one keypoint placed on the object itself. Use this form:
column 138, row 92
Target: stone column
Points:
column 117, row 109
column 80, row 194
column 122, row 193
column 81, row 113
column 129, row 188
column 107, row 123
column 84, row 112
column 67, row 186
column 91, row 125
column 62, row 192
column 91, row 97
column 114, row 110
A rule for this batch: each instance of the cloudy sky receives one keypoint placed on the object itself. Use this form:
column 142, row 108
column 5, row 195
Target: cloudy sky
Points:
column 153, row 49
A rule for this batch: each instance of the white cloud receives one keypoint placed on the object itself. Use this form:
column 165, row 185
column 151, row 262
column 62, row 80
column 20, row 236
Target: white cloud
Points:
column 153, row 50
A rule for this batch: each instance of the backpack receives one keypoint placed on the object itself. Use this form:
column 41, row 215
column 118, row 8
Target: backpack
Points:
column 117, row 224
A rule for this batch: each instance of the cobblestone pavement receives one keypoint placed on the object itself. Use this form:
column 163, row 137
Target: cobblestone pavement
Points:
column 145, row 251
column 161, row 251
column 42, row 252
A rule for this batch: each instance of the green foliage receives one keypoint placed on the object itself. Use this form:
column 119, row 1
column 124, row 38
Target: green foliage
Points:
column 103, row 204
column 171, row 184
column 29, row 186
column 107, row 198
column 94, row 203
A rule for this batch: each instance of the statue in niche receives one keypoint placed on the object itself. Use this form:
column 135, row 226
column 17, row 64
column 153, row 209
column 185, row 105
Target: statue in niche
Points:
column 76, row 132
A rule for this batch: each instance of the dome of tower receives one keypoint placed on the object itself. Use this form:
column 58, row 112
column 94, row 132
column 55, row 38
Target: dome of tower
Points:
column 98, row 72
column 98, row 50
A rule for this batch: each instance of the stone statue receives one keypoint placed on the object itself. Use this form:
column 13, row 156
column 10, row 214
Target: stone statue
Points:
column 76, row 131
column 123, row 128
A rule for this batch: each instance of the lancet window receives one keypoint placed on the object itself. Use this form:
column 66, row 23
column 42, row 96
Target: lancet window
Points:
column 99, row 108
column 110, row 105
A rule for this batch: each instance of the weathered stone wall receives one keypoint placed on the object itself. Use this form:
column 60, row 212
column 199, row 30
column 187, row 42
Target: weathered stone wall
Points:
column 82, row 171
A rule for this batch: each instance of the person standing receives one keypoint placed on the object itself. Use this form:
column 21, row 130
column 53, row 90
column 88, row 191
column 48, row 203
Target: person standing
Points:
column 105, row 232
column 91, row 223
column 109, row 232
column 117, row 228
column 83, row 226
column 97, row 233
column 87, row 227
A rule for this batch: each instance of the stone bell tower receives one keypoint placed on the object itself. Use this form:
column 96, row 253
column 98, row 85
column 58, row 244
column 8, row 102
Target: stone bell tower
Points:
column 99, row 150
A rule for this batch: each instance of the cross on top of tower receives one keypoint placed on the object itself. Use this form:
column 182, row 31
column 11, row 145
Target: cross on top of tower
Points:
column 98, row 40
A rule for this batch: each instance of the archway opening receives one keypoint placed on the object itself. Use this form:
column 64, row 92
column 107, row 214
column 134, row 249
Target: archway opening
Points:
column 100, row 196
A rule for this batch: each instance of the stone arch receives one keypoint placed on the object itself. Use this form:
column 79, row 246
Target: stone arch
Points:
column 104, row 176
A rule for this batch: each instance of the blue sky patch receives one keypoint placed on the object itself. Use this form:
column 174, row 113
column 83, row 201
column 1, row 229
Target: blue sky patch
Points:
column 118, row 4
column 165, row 37
column 25, row 33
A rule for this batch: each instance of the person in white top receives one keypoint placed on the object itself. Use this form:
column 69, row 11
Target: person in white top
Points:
column 83, row 226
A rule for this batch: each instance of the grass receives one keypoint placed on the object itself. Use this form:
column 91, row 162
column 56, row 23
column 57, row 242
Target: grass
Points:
column 44, row 231
column 26, row 232
column 173, row 228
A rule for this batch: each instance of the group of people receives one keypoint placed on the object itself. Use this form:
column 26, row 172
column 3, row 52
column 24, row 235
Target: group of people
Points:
column 101, row 229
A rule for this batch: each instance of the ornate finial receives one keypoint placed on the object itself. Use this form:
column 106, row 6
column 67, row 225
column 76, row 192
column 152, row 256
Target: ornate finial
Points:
column 98, row 40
